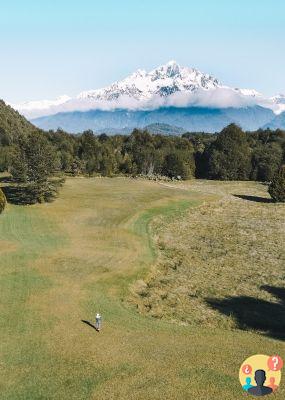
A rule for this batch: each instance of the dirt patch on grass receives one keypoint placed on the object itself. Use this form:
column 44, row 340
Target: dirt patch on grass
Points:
column 7, row 246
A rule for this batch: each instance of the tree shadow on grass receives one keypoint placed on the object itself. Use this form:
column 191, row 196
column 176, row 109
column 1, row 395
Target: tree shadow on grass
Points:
column 256, row 199
column 89, row 324
column 18, row 195
column 256, row 314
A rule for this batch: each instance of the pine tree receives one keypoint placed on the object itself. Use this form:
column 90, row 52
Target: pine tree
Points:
column 277, row 186
column 34, row 161
column 229, row 156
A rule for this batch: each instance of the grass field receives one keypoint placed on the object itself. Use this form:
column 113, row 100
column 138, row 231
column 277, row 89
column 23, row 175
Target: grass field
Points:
column 64, row 261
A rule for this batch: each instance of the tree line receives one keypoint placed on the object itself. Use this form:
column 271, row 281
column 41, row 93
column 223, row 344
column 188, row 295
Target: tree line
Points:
column 231, row 154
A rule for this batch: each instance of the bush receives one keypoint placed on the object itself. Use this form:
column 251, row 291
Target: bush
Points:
column 277, row 186
column 2, row 201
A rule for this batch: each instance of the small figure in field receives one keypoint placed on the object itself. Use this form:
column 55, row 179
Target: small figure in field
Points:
column 98, row 322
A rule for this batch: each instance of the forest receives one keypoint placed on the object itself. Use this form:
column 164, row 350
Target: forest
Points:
column 32, row 156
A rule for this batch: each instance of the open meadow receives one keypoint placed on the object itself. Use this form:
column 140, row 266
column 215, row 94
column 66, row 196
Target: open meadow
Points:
column 189, row 278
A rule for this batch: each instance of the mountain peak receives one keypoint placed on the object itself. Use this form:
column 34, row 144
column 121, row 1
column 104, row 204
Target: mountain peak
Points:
column 171, row 62
column 167, row 85
column 170, row 69
column 162, row 81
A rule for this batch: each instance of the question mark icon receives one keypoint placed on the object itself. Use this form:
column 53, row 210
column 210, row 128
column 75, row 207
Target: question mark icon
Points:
column 275, row 363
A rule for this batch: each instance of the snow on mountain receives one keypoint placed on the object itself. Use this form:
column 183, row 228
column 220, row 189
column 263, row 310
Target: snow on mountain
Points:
column 279, row 103
column 249, row 92
column 165, row 86
column 279, row 99
column 162, row 81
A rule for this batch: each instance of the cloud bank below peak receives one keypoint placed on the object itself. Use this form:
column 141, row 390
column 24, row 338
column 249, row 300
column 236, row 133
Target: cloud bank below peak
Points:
column 169, row 85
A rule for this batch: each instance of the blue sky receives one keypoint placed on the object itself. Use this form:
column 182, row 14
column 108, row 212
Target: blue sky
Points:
column 50, row 48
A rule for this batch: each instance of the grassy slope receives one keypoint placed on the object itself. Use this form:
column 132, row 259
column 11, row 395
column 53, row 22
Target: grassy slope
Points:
column 62, row 262
column 238, row 250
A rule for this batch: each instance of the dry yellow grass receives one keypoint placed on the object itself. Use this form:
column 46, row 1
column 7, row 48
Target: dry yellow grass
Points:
column 79, row 255
column 228, row 248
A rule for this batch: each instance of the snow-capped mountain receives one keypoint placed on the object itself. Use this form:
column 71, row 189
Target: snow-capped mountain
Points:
column 162, row 81
column 170, row 85
column 170, row 94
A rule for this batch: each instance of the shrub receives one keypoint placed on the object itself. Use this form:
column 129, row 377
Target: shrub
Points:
column 277, row 186
column 2, row 201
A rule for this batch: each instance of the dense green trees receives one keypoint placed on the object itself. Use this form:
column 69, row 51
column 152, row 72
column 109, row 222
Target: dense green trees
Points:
column 149, row 154
column 229, row 156
column 33, row 162
column 268, row 149
column 33, row 156
column 234, row 154
column 266, row 160
column 12, row 125
column 277, row 186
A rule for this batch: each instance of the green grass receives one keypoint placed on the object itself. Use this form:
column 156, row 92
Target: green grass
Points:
column 62, row 262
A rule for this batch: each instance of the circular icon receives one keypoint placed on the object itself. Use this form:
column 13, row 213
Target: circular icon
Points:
column 247, row 369
column 260, row 375
column 275, row 363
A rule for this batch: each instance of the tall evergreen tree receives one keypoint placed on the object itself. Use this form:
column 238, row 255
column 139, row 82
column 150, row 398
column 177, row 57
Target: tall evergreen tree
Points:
column 229, row 156
column 34, row 161
column 277, row 186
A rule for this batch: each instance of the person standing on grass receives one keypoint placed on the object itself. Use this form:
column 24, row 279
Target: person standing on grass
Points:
column 98, row 322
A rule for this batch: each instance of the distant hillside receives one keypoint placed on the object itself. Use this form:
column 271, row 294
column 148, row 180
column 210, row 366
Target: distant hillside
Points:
column 165, row 129
column 156, row 128
column 12, row 124
column 277, row 123
column 192, row 119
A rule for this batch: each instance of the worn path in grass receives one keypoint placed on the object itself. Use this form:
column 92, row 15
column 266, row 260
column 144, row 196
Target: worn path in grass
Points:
column 63, row 262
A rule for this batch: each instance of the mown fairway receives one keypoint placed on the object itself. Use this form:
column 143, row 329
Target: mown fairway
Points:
column 62, row 262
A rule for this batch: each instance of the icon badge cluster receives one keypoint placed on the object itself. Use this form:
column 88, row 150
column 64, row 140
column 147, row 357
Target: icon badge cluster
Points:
column 260, row 375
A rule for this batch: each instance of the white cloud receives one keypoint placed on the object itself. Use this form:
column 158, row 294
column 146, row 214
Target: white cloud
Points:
column 221, row 97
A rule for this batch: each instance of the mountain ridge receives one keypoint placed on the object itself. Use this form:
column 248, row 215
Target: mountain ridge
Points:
column 278, row 122
column 190, row 119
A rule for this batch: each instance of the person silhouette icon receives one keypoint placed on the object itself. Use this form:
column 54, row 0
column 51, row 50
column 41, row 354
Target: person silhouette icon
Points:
column 260, row 389
column 272, row 384
column 248, row 384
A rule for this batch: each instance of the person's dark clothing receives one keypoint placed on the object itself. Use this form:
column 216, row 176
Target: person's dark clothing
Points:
column 260, row 390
